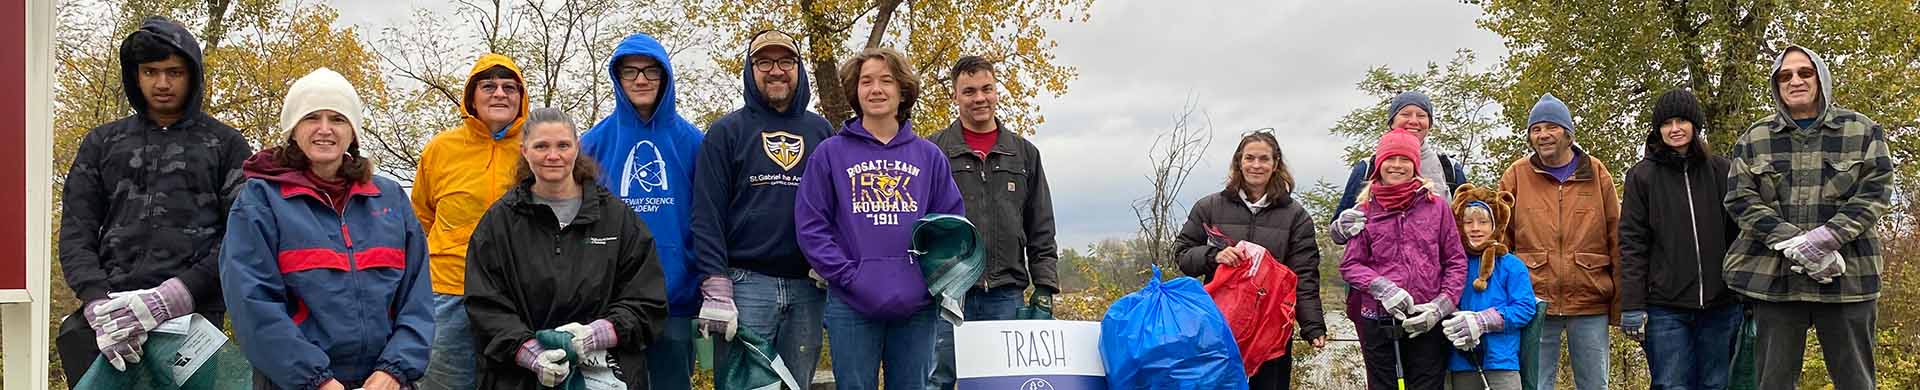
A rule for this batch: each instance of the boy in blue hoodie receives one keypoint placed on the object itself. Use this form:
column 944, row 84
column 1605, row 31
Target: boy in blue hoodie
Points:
column 862, row 191
column 1496, row 309
column 743, row 243
column 647, row 153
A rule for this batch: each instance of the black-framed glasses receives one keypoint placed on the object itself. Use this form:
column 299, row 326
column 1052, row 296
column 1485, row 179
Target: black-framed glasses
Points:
column 653, row 73
column 766, row 65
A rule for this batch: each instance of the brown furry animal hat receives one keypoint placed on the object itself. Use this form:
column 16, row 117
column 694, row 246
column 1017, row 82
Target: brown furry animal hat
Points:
column 1500, row 205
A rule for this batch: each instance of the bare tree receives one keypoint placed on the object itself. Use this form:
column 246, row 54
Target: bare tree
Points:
column 1174, row 154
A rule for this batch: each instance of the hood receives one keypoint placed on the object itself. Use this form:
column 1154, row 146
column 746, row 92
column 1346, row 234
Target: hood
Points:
column 852, row 128
column 797, row 106
column 472, row 122
column 184, row 44
column 1657, row 151
column 264, row 166
column 624, row 115
column 1826, row 86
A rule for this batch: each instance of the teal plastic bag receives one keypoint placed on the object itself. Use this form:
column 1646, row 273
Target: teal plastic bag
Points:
column 950, row 254
column 1746, row 373
column 753, row 365
column 1530, row 351
column 225, row 369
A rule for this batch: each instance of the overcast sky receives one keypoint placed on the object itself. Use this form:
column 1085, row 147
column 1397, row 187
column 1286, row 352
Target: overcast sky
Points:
column 1286, row 64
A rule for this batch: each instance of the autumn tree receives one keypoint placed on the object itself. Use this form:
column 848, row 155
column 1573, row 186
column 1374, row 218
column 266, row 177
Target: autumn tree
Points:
column 933, row 33
column 1609, row 60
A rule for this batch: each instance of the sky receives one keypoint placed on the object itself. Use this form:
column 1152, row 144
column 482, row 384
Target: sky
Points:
column 1246, row 64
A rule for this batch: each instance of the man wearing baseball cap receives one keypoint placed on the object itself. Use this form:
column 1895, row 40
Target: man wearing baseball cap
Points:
column 743, row 192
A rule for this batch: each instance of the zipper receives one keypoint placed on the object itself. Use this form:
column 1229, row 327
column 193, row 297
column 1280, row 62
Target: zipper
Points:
column 1693, row 224
column 353, row 267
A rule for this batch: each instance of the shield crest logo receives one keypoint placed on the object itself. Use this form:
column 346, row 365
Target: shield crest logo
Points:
column 783, row 148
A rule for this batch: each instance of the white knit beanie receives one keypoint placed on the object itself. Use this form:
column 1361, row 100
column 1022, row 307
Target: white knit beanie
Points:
column 323, row 89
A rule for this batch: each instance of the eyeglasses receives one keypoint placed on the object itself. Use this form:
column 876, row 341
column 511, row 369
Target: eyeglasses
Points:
column 653, row 73
column 766, row 65
column 1787, row 75
column 1268, row 131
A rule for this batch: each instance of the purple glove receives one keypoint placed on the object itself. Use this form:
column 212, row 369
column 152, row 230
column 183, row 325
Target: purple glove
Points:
column 145, row 308
column 717, row 314
column 594, row 336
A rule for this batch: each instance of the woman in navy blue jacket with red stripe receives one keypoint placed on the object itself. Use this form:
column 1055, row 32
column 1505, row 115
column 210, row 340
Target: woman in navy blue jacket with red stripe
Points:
column 322, row 265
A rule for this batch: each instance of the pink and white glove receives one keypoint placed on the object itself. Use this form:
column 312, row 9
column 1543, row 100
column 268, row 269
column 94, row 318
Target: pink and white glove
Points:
column 717, row 313
column 548, row 364
column 121, row 346
column 1810, row 247
column 143, row 309
column 594, row 336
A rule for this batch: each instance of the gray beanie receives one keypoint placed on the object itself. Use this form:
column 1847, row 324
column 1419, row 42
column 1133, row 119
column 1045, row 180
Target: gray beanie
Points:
column 1551, row 110
column 1414, row 98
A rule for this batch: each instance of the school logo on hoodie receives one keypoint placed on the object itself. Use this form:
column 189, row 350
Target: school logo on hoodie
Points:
column 880, row 190
column 645, row 172
column 783, row 147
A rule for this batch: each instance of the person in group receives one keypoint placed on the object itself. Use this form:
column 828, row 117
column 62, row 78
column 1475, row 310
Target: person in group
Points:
column 1412, row 111
column 743, row 238
column 145, row 204
column 863, row 190
column 1495, row 310
column 1006, row 194
column 1809, row 184
column 1567, row 232
column 1673, row 236
column 1258, row 206
column 322, row 261
column 1411, row 253
column 559, row 252
column 463, row 170
column 649, row 153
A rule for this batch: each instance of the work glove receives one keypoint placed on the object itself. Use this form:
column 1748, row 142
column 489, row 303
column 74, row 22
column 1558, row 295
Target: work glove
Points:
column 1393, row 299
column 140, row 311
column 594, row 336
column 717, row 313
column 549, row 365
column 1633, row 323
column 1351, row 222
column 1824, row 269
column 1809, row 247
column 1464, row 328
column 1039, row 305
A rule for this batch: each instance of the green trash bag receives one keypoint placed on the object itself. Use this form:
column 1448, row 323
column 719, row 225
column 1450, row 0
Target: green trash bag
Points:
column 1746, row 374
column 227, row 368
column 1530, row 349
column 950, row 254
column 753, row 365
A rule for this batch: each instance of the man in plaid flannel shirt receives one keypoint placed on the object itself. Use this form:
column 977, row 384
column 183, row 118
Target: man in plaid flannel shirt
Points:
column 1808, row 186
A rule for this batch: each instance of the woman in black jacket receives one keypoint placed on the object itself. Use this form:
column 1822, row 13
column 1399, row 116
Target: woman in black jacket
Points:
column 559, row 252
column 1258, row 206
column 1673, row 235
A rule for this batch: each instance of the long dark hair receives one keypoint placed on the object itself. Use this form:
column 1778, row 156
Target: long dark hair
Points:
column 353, row 167
column 585, row 171
column 1281, row 184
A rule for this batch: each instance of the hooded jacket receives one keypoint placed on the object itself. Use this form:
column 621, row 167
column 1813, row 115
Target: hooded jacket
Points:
column 1567, row 233
column 1673, row 230
column 1007, row 195
column 749, row 168
column 462, row 171
column 648, row 161
column 529, row 274
column 1788, row 180
column 1283, row 227
column 855, row 213
column 320, row 294
column 1417, row 248
column 144, row 203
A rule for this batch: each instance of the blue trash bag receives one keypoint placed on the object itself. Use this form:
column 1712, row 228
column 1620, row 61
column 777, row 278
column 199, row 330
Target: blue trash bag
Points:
column 1169, row 335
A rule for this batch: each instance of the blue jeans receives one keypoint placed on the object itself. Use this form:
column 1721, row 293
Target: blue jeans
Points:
column 450, row 363
column 1691, row 349
column 982, row 305
column 859, row 346
column 1587, row 345
column 670, row 357
column 786, row 312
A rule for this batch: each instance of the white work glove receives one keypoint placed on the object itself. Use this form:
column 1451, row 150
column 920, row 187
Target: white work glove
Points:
column 1464, row 328
column 1351, row 222
column 717, row 313
column 1824, row 269
column 549, row 365
column 594, row 336
column 1393, row 299
column 1426, row 315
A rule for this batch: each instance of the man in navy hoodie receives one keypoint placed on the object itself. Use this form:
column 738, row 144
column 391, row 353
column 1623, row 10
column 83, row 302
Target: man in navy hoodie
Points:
column 646, row 151
column 749, row 171
column 854, row 216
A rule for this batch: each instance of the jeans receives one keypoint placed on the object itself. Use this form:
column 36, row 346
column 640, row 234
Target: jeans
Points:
column 859, row 347
column 670, row 357
column 1846, row 341
column 786, row 312
column 1586, row 345
column 982, row 305
column 450, row 363
column 1691, row 349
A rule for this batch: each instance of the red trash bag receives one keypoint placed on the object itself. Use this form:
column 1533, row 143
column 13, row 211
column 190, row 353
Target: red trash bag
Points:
column 1257, row 299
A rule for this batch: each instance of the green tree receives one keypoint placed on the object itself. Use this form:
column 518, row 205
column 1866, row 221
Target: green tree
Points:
column 1464, row 121
column 1608, row 60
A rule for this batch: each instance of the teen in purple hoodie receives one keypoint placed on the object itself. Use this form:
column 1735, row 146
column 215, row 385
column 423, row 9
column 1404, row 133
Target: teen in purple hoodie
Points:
column 862, row 192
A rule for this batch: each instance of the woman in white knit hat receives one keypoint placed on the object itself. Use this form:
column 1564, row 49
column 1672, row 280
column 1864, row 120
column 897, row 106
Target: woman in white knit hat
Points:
column 323, row 263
